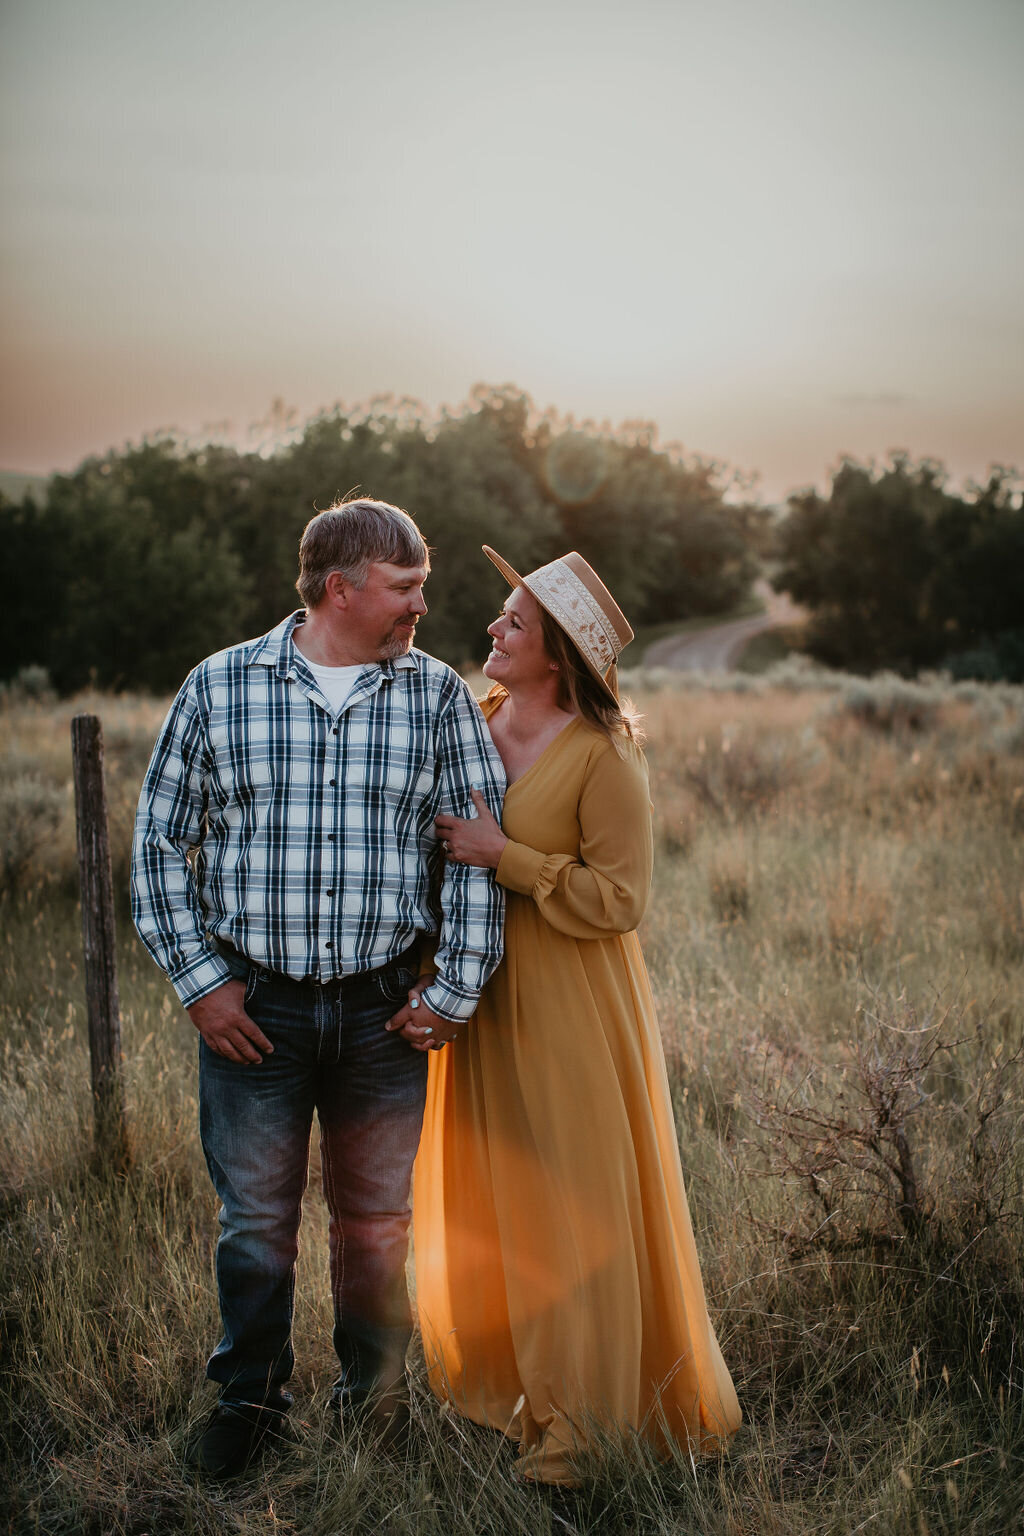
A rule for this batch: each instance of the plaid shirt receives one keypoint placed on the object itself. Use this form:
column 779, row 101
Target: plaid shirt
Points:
column 306, row 840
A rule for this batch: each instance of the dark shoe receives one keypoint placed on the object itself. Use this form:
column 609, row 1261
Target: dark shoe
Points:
column 234, row 1436
column 383, row 1423
column 386, row 1425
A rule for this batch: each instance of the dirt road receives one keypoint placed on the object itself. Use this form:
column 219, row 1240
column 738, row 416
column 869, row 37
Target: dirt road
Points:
column 717, row 649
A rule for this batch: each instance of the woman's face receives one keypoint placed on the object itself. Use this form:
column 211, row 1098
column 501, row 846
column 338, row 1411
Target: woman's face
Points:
column 518, row 653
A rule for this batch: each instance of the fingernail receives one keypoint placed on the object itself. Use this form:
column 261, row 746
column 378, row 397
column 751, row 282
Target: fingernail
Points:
column 414, row 1002
column 428, row 1030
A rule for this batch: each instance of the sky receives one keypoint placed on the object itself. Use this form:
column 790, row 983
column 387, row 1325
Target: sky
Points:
column 782, row 230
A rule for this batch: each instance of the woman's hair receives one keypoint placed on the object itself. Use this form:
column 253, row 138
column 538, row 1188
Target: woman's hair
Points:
column 580, row 691
column 350, row 537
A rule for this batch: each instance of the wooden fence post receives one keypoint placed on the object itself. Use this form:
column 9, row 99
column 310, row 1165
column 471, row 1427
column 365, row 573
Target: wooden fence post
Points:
column 98, row 942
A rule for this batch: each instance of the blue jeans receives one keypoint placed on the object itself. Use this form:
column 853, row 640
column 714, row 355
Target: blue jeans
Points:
column 333, row 1055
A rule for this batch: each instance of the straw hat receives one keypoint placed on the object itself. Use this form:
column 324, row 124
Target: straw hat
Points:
column 577, row 599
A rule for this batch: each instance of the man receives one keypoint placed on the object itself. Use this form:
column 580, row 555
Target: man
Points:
column 285, row 876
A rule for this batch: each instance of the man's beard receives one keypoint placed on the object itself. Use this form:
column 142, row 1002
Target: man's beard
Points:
column 396, row 645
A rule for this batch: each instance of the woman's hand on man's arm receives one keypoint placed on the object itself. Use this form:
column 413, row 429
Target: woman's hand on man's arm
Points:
column 478, row 841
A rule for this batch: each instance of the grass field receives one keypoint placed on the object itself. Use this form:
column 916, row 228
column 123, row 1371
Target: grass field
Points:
column 836, row 939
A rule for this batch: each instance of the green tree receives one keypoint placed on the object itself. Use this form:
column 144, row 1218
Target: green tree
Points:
column 144, row 581
column 654, row 524
column 470, row 485
column 900, row 572
column 980, row 578
column 143, row 561
column 864, row 562
column 29, row 586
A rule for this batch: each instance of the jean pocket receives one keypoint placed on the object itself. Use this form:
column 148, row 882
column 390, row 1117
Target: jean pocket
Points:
column 394, row 981
column 253, row 980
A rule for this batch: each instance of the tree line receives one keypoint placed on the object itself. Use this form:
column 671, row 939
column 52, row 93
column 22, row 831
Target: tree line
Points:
column 901, row 572
column 142, row 561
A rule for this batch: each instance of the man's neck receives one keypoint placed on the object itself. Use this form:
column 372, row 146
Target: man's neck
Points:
column 322, row 643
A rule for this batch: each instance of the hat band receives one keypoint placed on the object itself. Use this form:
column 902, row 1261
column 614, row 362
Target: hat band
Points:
column 577, row 610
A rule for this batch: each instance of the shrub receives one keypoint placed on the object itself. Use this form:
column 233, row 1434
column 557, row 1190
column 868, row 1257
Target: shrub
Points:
column 729, row 888
column 30, row 814
column 1008, row 735
column 742, row 773
column 981, row 664
column 890, row 704
column 914, row 1139
column 29, row 683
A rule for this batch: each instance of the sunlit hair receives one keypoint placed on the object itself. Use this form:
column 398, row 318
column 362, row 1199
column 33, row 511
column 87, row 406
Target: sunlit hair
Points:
column 350, row 537
column 580, row 691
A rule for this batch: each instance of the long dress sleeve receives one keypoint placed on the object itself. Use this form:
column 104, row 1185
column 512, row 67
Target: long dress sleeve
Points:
column 605, row 889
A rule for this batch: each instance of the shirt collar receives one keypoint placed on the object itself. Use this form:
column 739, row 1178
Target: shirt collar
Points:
column 278, row 650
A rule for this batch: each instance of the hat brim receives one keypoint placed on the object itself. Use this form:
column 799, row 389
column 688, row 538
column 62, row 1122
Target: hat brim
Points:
column 512, row 577
column 515, row 580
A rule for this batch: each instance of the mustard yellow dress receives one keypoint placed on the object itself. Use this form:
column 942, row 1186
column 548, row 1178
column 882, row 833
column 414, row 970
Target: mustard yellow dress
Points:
column 558, row 1287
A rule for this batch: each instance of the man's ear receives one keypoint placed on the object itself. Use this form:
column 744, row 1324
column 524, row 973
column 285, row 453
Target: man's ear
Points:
column 336, row 590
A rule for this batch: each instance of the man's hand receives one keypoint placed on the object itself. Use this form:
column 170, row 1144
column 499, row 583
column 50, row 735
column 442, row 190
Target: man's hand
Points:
column 424, row 1029
column 221, row 1019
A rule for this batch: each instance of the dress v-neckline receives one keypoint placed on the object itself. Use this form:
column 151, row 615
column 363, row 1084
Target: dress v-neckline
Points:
column 512, row 783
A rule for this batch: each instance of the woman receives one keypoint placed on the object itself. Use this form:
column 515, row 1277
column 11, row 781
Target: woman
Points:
column 558, row 1286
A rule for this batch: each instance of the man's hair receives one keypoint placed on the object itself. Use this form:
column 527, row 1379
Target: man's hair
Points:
column 350, row 537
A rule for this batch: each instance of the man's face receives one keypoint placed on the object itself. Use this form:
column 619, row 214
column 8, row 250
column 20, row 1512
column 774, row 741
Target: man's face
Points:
column 381, row 615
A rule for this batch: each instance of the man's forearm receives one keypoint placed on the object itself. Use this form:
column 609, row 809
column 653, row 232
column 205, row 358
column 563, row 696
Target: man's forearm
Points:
column 471, row 942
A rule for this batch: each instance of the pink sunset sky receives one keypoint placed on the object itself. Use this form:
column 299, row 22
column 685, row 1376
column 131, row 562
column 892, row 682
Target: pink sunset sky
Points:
column 780, row 229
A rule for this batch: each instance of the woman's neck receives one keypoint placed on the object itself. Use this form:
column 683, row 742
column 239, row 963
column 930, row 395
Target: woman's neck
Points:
column 531, row 712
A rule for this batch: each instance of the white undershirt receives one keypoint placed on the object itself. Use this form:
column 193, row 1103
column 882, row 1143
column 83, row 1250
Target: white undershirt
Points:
column 335, row 683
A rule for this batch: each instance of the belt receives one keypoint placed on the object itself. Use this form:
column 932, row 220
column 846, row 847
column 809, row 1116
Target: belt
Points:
column 409, row 958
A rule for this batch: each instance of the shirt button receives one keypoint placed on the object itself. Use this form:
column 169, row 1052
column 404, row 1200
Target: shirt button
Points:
column 332, row 782
column 328, row 944
column 334, row 730
column 330, row 837
column 328, row 893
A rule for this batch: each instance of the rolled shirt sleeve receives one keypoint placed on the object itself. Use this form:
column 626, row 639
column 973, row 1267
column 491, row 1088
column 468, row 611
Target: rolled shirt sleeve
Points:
column 470, row 942
column 168, row 829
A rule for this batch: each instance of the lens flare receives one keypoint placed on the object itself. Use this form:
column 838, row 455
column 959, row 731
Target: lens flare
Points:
column 575, row 468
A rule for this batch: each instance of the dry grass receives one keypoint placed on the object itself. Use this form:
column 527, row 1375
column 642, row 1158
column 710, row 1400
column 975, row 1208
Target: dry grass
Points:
column 836, row 941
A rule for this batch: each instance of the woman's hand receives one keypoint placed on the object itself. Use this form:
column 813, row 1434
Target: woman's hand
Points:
column 424, row 1029
column 479, row 842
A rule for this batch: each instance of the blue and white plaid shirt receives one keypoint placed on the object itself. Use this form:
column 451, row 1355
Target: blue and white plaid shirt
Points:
column 305, row 840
